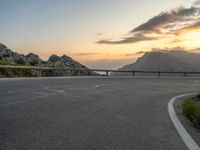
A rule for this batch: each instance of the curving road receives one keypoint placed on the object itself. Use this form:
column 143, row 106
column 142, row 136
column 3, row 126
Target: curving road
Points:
column 90, row 113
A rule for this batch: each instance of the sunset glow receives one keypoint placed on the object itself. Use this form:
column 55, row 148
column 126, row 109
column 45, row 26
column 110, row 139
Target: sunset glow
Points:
column 99, row 32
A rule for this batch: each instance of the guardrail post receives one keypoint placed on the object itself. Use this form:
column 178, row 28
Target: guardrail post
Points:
column 107, row 73
column 185, row 74
column 78, row 72
column 133, row 73
column 71, row 72
column 159, row 73
column 39, row 72
column 51, row 72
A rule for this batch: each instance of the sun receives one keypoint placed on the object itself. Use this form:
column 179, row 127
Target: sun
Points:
column 192, row 38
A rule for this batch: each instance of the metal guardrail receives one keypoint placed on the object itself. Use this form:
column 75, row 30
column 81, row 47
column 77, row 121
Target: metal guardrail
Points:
column 107, row 71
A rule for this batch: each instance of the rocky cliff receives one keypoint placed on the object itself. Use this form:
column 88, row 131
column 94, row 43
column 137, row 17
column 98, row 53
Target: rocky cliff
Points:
column 9, row 57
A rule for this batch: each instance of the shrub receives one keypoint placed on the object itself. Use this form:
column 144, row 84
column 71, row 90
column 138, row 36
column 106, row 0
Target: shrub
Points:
column 191, row 109
column 17, row 73
column 198, row 96
column 4, row 62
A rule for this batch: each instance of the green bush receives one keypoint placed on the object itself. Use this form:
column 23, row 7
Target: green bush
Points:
column 17, row 73
column 4, row 62
column 191, row 109
column 198, row 96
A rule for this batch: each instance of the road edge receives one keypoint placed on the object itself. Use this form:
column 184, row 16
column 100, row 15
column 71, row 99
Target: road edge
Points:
column 187, row 139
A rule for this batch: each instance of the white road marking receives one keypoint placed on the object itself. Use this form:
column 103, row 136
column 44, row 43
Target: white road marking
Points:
column 74, row 88
column 53, row 90
column 101, row 85
column 109, row 87
column 189, row 142
column 42, row 96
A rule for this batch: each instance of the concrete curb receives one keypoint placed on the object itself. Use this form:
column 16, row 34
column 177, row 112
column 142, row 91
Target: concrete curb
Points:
column 189, row 142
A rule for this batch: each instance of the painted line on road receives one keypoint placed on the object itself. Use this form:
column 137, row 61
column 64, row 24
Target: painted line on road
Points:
column 189, row 142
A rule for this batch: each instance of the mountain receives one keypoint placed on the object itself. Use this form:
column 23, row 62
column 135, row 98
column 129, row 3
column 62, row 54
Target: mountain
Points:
column 14, row 58
column 172, row 61
column 8, row 57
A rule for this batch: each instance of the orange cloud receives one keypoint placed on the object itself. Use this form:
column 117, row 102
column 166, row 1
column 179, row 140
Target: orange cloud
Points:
column 192, row 28
column 99, row 34
column 167, row 23
column 177, row 40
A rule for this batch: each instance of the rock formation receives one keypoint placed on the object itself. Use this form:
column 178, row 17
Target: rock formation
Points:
column 65, row 62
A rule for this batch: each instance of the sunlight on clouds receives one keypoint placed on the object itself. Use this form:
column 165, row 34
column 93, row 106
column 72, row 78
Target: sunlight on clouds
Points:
column 191, row 39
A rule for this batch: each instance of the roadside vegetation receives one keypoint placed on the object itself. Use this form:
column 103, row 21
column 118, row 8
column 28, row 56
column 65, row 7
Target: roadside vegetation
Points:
column 15, row 72
column 4, row 62
column 191, row 109
column 8, row 72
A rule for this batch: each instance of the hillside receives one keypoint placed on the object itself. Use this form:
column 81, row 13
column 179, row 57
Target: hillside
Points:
column 9, row 57
column 165, row 61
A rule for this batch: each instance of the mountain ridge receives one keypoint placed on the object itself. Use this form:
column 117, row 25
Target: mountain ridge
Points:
column 166, row 61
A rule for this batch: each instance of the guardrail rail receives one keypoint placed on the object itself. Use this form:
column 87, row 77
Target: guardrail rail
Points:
column 107, row 71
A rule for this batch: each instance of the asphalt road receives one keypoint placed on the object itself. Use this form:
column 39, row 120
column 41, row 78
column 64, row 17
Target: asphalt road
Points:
column 90, row 113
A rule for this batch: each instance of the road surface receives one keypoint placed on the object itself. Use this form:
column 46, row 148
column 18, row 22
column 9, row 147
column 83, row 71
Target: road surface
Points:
column 90, row 113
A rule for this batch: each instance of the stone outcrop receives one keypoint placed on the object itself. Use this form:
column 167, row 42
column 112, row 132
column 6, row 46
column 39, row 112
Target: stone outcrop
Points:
column 34, row 60
column 55, row 61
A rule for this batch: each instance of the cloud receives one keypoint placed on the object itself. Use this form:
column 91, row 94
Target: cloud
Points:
column 140, row 52
column 195, row 49
column 168, row 19
column 134, row 54
column 134, row 39
column 85, row 54
column 176, row 40
column 99, row 34
column 166, row 23
column 129, row 54
column 196, row 2
column 195, row 26
column 167, row 49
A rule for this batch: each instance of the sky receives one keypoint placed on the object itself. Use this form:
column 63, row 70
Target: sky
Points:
column 99, row 33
